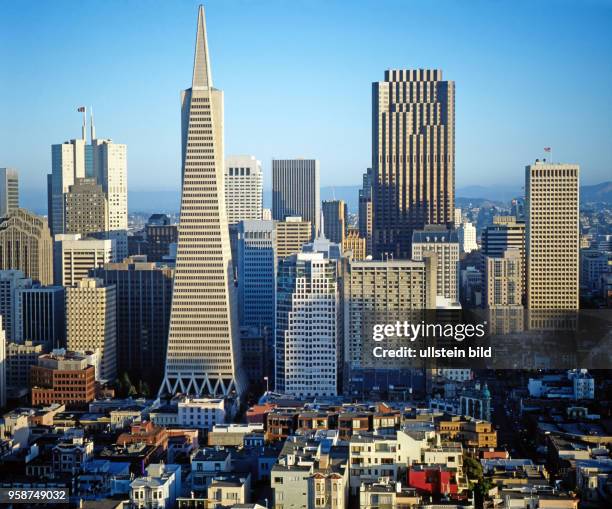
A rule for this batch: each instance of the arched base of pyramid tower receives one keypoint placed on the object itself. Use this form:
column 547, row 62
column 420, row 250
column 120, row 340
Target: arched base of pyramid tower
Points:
column 199, row 385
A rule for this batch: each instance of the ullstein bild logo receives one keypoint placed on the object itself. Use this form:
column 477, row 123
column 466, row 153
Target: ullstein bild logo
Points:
column 414, row 331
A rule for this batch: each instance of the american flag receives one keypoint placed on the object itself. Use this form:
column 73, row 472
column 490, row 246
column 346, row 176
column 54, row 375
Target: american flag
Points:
column 81, row 109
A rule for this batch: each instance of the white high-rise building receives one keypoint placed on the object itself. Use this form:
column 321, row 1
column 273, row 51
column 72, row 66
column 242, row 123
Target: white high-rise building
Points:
column 203, row 355
column 11, row 281
column 9, row 191
column 467, row 237
column 74, row 257
column 552, row 235
column 307, row 305
column 458, row 218
column 243, row 188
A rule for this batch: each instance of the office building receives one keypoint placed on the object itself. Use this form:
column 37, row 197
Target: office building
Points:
column 307, row 339
column 243, row 188
column 552, row 235
column 256, row 262
column 10, row 282
column 76, row 256
column 159, row 235
column 594, row 265
column 458, row 218
column 503, row 284
column 41, row 316
column 413, row 156
column 143, row 295
column 295, row 191
column 26, row 245
column 266, row 214
column 9, row 191
column 203, row 355
column 66, row 379
column 335, row 219
column 20, row 357
column 467, row 237
column 85, row 208
column 372, row 289
column 91, row 322
column 445, row 244
column 3, row 366
column 291, row 235
column 365, row 209
column 354, row 243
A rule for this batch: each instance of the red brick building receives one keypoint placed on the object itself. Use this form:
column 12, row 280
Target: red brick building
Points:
column 64, row 379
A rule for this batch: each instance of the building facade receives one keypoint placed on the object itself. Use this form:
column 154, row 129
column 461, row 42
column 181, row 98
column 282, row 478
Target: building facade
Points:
column 26, row 245
column 355, row 243
column 9, row 191
column 552, row 235
column 76, row 256
column 41, row 316
column 503, row 282
column 413, row 156
column 365, row 209
column 243, row 188
column 291, row 235
column 295, row 191
column 203, row 356
column 10, row 282
column 91, row 323
column 335, row 215
column 85, row 208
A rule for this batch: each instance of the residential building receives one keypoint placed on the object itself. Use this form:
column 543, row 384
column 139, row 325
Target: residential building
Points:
column 66, row 379
column 201, row 412
column 203, row 355
column 9, row 191
column 143, row 298
column 445, row 244
column 159, row 487
column 243, row 188
column 291, row 235
column 70, row 455
column 335, row 215
column 85, row 208
column 230, row 490
column 26, row 245
column 307, row 339
column 91, row 322
column 76, row 256
column 295, row 191
column 552, row 235
column 413, row 156
column 466, row 234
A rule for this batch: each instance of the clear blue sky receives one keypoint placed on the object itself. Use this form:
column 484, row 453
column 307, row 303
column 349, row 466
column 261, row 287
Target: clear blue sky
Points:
column 297, row 79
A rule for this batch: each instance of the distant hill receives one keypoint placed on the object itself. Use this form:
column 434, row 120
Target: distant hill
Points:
column 597, row 193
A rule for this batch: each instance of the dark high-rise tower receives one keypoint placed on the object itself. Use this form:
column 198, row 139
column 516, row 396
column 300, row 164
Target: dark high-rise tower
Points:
column 413, row 156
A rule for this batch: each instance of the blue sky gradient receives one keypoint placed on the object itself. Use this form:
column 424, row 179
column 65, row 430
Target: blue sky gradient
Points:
column 297, row 79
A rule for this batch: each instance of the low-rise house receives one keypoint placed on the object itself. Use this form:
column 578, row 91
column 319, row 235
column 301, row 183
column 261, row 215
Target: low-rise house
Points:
column 158, row 489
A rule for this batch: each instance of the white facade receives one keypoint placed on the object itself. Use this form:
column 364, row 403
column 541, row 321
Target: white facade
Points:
column 9, row 191
column 467, row 237
column 201, row 412
column 159, row 489
column 307, row 336
column 74, row 257
column 203, row 356
column 110, row 171
column 243, row 188
column 11, row 281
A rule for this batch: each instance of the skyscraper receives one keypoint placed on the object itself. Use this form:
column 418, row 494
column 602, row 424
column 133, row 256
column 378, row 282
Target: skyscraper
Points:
column 2, row 365
column 243, row 188
column 467, row 237
column 91, row 322
column 413, row 156
column 335, row 215
column 9, row 191
column 159, row 234
column 295, row 190
column 75, row 257
column 503, row 281
column 10, row 282
column 552, row 235
column 365, row 209
column 203, row 355
column 86, row 208
column 110, row 171
column 307, row 338
column 144, row 293
column 41, row 316
column 256, row 263
column 291, row 235
column 443, row 242
column 26, row 245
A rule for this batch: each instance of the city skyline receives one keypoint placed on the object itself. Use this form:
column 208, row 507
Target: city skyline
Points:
column 494, row 95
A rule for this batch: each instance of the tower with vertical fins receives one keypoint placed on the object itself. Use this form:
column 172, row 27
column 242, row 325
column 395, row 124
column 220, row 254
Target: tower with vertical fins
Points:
column 203, row 357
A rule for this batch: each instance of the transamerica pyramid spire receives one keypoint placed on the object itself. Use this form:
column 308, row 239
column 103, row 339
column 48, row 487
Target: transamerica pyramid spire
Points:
column 203, row 357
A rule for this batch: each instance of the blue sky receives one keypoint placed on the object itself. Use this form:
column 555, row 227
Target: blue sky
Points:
column 297, row 79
